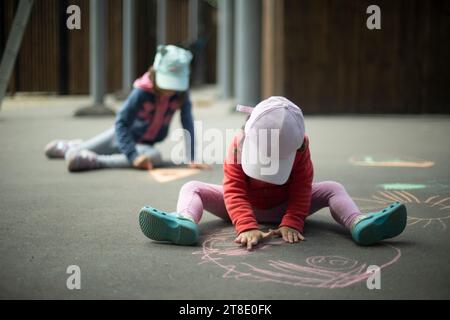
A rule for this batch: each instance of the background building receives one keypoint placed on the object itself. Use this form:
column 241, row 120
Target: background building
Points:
column 319, row 53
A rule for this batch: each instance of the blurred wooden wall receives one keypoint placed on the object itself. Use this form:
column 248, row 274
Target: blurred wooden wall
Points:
column 334, row 64
column 55, row 59
column 38, row 63
column 178, row 33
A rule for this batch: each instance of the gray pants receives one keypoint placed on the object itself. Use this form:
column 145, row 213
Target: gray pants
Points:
column 109, row 155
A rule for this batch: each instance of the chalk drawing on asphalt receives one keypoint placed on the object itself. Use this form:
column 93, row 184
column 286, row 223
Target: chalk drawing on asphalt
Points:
column 390, row 161
column 318, row 271
column 402, row 186
column 422, row 211
column 163, row 175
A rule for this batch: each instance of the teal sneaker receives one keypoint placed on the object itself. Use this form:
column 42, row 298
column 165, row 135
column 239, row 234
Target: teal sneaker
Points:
column 161, row 226
column 374, row 227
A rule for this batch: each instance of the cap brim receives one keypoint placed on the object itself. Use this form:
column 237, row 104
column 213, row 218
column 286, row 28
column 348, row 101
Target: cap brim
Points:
column 170, row 82
column 266, row 173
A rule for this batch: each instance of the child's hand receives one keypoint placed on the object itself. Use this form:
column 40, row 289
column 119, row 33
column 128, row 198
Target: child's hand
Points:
column 202, row 166
column 143, row 162
column 252, row 237
column 288, row 234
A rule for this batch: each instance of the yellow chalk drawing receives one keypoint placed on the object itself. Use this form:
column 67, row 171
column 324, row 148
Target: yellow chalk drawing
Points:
column 437, row 207
column 405, row 162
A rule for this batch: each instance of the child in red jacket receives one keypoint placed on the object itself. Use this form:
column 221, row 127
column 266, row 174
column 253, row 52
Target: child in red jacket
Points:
column 268, row 178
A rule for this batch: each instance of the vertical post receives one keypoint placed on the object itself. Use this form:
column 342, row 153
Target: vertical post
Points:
column 97, row 63
column 161, row 22
column 225, row 47
column 13, row 44
column 247, row 85
column 197, row 41
column 128, row 45
column 193, row 20
column 97, row 50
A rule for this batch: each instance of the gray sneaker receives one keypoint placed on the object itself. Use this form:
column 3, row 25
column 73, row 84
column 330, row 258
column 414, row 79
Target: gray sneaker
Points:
column 58, row 148
column 82, row 160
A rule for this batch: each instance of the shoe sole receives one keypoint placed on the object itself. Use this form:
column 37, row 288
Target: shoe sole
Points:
column 389, row 223
column 159, row 226
column 74, row 166
column 50, row 152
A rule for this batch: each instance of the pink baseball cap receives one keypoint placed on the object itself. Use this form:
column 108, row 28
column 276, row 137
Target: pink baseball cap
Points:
column 273, row 134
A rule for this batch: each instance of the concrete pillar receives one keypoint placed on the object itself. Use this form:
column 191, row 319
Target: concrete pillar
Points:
column 128, row 45
column 193, row 20
column 225, row 48
column 197, row 41
column 247, row 84
column 97, row 62
column 161, row 22
column 97, row 43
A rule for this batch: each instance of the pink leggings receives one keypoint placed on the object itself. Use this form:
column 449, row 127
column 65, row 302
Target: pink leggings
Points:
column 196, row 196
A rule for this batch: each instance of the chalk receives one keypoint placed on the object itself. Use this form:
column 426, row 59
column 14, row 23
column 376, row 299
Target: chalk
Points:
column 163, row 175
column 401, row 186
column 379, row 161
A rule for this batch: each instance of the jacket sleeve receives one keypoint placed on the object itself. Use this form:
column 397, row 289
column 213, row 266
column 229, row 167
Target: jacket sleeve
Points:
column 300, row 190
column 235, row 193
column 124, row 120
column 187, row 122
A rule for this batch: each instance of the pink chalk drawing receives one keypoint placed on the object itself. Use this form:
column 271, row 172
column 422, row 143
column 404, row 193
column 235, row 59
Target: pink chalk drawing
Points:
column 323, row 271
column 436, row 207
